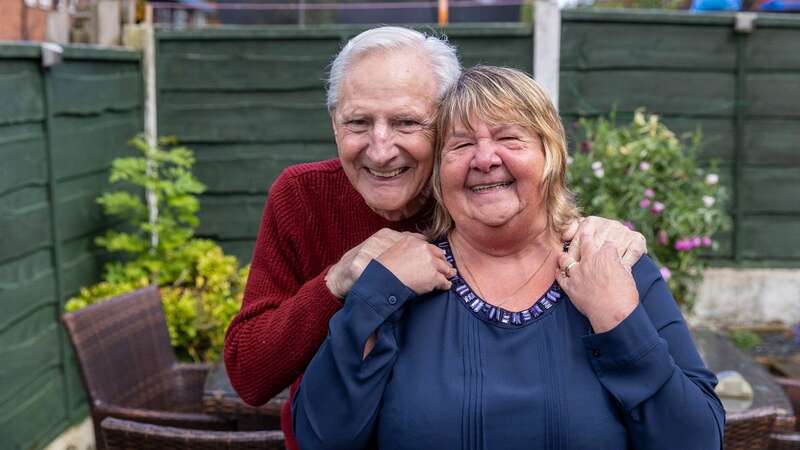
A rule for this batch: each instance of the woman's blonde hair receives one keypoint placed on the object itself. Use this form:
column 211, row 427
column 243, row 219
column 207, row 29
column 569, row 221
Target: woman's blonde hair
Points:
column 504, row 96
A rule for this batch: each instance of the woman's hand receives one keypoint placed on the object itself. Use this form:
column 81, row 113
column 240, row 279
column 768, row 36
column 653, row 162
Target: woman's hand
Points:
column 630, row 245
column 600, row 286
column 342, row 275
column 421, row 266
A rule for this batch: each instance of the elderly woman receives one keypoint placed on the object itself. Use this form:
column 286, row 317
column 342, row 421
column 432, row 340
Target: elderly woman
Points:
column 516, row 354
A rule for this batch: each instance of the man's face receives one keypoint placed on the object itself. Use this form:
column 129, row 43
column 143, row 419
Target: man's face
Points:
column 383, row 130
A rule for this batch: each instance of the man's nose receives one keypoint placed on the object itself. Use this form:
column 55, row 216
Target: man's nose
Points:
column 381, row 147
column 485, row 157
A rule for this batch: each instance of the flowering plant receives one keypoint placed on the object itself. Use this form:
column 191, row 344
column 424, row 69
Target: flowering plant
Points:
column 646, row 177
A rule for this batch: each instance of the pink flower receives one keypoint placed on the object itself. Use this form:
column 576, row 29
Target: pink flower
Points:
column 682, row 245
column 629, row 225
column 707, row 241
column 644, row 203
column 644, row 165
column 662, row 237
column 697, row 241
column 665, row 273
column 649, row 193
column 657, row 207
column 708, row 201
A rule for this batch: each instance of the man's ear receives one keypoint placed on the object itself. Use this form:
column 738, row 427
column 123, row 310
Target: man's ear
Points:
column 333, row 123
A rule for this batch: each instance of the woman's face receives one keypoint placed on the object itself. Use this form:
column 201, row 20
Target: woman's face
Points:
column 492, row 176
column 383, row 133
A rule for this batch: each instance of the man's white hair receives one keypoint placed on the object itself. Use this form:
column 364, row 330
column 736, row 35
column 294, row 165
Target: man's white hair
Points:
column 442, row 56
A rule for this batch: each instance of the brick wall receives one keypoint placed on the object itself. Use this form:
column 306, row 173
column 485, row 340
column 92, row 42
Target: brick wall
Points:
column 11, row 21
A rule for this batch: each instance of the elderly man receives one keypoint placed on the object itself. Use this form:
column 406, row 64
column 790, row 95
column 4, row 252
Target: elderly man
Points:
column 325, row 221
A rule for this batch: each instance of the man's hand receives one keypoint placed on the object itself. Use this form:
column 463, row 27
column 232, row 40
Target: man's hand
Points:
column 419, row 265
column 630, row 245
column 342, row 275
column 600, row 287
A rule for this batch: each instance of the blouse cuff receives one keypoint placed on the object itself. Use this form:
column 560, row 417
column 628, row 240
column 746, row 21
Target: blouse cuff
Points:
column 631, row 360
column 381, row 290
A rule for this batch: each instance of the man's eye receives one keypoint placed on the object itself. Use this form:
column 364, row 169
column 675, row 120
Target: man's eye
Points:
column 408, row 125
column 356, row 123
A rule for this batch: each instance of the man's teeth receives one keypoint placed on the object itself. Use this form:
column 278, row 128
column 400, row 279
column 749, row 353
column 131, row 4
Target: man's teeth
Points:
column 486, row 187
column 389, row 174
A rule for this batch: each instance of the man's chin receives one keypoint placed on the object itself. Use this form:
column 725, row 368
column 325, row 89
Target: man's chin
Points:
column 390, row 208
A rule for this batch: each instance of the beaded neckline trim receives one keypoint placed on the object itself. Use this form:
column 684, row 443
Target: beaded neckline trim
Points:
column 497, row 314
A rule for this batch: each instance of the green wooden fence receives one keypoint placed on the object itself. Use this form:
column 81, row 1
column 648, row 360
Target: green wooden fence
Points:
column 251, row 101
column 59, row 129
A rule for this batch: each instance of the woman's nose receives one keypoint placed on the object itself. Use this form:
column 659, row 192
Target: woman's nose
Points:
column 485, row 157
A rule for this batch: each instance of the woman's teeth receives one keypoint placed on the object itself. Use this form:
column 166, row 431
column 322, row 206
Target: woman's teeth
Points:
column 389, row 174
column 486, row 187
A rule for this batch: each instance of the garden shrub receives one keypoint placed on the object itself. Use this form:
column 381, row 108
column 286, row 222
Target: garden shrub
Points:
column 201, row 287
column 643, row 175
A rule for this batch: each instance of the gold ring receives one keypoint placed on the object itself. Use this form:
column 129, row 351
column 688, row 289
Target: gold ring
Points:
column 569, row 266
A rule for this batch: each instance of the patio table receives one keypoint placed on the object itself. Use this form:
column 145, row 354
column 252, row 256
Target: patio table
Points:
column 220, row 399
column 720, row 354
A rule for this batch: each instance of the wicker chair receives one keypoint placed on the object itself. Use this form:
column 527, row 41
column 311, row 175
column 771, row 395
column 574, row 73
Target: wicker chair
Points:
column 791, row 386
column 129, row 369
column 127, row 435
column 750, row 430
column 790, row 441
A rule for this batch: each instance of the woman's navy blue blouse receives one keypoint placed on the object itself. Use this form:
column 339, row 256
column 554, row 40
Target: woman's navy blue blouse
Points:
column 449, row 371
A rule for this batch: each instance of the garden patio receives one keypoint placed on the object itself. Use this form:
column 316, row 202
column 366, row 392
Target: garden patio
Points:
column 249, row 101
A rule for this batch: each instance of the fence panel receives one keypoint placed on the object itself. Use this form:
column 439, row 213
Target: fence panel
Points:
column 60, row 127
column 251, row 101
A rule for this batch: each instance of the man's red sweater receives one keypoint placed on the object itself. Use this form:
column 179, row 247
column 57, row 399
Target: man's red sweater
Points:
column 312, row 217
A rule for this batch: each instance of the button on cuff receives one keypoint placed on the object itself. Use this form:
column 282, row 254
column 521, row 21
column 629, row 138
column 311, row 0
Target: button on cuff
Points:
column 392, row 300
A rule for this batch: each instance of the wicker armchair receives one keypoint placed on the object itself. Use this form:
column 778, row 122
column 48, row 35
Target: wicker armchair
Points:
column 750, row 430
column 789, row 441
column 791, row 386
column 128, row 435
column 129, row 369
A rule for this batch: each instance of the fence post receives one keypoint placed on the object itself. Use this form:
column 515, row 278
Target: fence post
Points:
column 547, row 46
column 51, row 56
column 743, row 26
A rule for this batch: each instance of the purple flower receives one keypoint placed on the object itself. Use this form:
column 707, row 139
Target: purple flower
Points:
column 697, row 242
column 683, row 245
column 657, row 207
column 586, row 147
column 649, row 193
column 644, row 166
column 644, row 203
column 707, row 241
column 662, row 237
column 665, row 273
column 629, row 225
